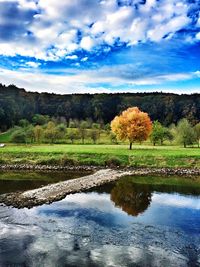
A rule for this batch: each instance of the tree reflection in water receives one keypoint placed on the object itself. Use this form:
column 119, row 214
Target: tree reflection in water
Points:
column 132, row 198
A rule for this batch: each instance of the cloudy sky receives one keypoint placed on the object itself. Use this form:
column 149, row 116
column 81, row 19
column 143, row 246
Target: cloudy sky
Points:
column 100, row 45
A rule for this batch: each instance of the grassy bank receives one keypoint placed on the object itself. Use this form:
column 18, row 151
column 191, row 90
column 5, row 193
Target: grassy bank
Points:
column 110, row 155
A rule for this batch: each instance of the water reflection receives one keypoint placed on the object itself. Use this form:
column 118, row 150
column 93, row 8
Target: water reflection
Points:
column 141, row 226
column 132, row 198
column 23, row 180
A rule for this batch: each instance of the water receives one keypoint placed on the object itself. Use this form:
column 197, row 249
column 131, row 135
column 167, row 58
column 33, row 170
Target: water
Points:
column 122, row 224
column 23, row 180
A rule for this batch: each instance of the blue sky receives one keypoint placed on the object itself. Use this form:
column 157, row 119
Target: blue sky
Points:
column 88, row 46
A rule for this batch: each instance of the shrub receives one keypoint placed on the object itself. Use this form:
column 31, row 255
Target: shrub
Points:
column 113, row 162
column 18, row 137
column 66, row 161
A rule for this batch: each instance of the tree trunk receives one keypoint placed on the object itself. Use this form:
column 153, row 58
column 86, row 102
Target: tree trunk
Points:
column 184, row 145
column 130, row 147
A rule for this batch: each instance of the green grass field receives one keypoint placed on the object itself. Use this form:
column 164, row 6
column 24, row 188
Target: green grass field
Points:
column 6, row 137
column 111, row 155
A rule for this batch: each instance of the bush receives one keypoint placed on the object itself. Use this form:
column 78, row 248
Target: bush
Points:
column 66, row 161
column 18, row 137
column 113, row 162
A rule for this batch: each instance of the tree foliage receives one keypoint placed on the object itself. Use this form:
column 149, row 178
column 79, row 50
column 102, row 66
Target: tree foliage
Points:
column 185, row 133
column 160, row 133
column 18, row 136
column 197, row 133
column 132, row 125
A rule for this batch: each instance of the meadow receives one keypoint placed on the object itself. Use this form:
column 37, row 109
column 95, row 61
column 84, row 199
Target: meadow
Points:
column 144, row 155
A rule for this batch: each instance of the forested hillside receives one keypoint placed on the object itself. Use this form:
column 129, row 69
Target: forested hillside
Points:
column 16, row 104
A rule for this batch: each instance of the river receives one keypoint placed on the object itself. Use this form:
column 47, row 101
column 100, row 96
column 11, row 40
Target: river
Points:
column 125, row 223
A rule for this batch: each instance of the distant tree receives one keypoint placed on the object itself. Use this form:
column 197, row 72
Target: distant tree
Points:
column 160, row 133
column 197, row 133
column 157, row 132
column 72, row 124
column 30, row 136
column 23, row 123
column 83, row 131
column 94, row 134
column 18, row 136
column 89, row 123
column 61, row 129
column 167, row 135
column 133, row 125
column 39, row 119
column 51, row 133
column 38, row 132
column 185, row 133
column 97, row 128
column 72, row 135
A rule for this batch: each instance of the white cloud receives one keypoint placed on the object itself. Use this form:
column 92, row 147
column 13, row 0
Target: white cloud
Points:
column 84, row 59
column 176, row 201
column 198, row 36
column 87, row 43
column 33, row 64
column 53, row 29
column 72, row 57
column 88, row 81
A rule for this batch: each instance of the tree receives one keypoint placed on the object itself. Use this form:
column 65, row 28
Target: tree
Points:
column 94, row 134
column 83, row 131
column 51, row 133
column 157, row 132
column 73, row 135
column 197, row 133
column 72, row 124
column 38, row 131
column 185, row 133
column 30, row 136
column 160, row 133
column 23, row 123
column 61, row 129
column 19, row 136
column 133, row 125
column 39, row 119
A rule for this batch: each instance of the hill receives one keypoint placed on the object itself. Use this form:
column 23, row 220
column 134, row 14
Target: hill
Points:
column 16, row 103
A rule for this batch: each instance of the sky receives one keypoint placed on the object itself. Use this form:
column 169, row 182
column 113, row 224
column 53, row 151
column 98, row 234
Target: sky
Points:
column 95, row 46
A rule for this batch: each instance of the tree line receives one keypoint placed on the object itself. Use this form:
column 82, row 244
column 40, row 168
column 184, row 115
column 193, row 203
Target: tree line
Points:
column 44, row 129
column 167, row 108
column 135, row 125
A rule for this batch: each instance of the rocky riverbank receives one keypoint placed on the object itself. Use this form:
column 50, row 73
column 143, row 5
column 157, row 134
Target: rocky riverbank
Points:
column 137, row 171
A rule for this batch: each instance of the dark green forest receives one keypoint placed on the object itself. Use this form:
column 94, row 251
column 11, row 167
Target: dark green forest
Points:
column 17, row 104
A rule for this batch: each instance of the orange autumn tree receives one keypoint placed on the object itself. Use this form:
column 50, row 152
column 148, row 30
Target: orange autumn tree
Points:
column 132, row 125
